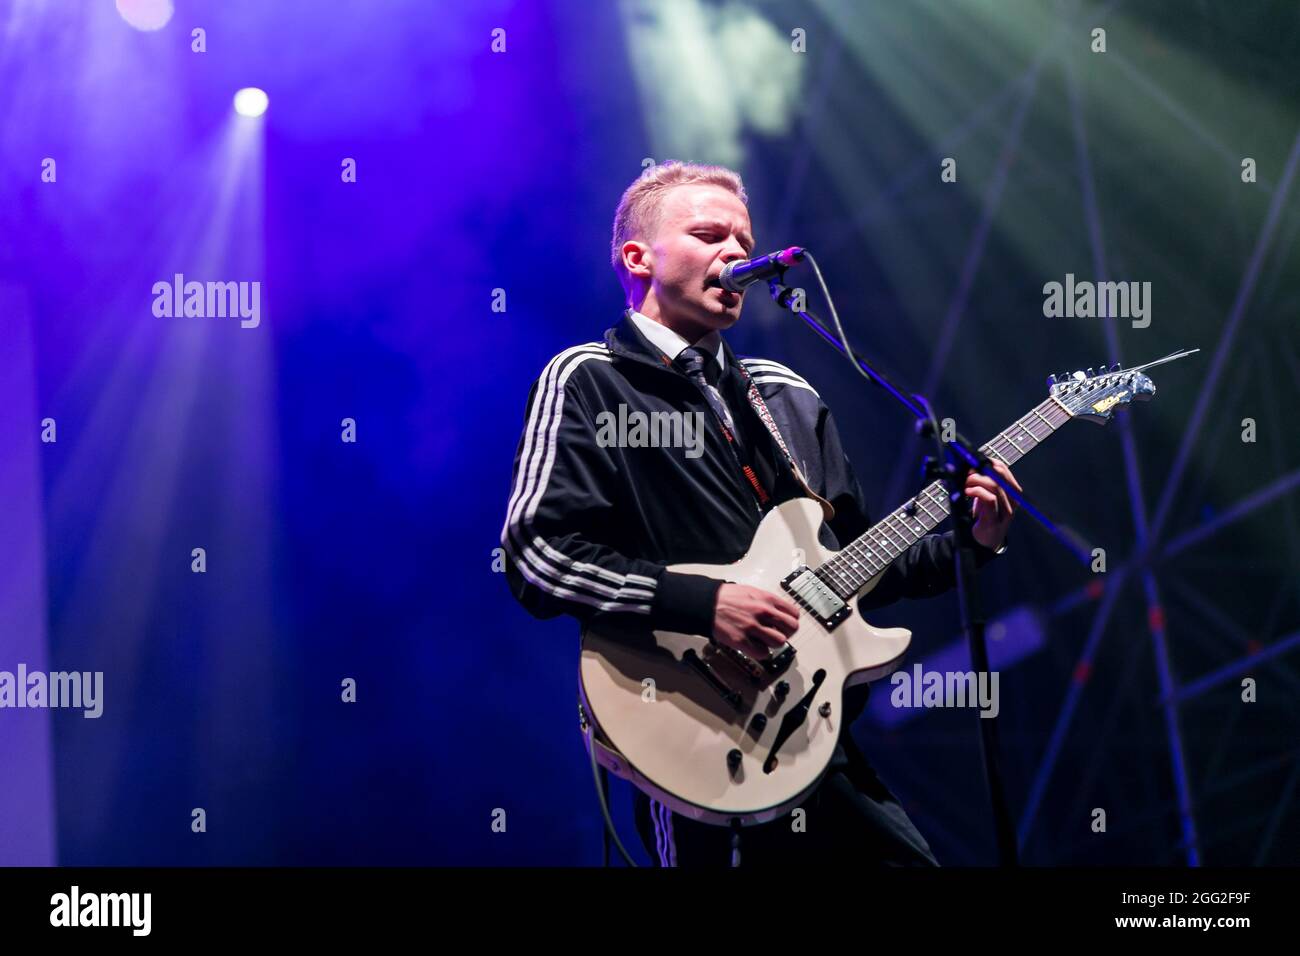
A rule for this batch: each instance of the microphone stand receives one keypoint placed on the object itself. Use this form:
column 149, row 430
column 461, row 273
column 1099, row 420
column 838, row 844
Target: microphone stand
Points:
column 961, row 459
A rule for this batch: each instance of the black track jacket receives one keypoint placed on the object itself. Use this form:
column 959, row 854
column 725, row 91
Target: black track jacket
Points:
column 592, row 525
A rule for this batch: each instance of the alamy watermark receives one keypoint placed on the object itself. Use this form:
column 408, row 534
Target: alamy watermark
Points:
column 221, row 300
column 922, row 688
column 82, row 689
column 75, row 908
column 1089, row 300
column 638, row 429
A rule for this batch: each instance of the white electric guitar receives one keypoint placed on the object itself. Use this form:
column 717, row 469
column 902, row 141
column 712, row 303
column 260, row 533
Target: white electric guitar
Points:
column 720, row 736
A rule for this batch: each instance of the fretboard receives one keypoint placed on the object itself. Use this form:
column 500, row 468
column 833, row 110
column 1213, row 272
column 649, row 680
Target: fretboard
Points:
column 866, row 557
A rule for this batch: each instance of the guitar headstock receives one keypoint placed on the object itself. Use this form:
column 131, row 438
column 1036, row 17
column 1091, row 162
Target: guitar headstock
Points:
column 1094, row 395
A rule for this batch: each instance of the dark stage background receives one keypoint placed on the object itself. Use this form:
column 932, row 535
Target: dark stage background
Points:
column 478, row 171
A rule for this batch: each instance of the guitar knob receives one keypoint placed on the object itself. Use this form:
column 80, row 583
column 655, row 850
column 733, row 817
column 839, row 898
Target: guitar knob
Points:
column 782, row 689
column 733, row 760
column 759, row 723
column 825, row 709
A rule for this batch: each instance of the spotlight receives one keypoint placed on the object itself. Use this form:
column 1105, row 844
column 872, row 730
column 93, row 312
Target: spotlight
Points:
column 146, row 14
column 250, row 101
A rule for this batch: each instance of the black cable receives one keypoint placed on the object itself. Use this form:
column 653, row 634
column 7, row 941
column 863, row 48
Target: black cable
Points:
column 604, row 804
column 604, row 833
column 839, row 327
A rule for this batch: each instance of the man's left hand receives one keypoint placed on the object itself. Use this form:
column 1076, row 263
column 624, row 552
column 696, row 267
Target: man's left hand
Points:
column 992, row 508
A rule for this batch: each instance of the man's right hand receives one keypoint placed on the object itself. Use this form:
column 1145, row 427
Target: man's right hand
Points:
column 748, row 619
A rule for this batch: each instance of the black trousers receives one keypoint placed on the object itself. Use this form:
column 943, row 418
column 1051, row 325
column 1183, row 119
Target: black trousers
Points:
column 851, row 818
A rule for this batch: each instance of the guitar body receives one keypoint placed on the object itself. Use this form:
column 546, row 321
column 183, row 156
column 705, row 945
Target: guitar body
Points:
column 719, row 736
column 683, row 742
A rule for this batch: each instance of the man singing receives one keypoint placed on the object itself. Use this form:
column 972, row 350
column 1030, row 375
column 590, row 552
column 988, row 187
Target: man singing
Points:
column 592, row 525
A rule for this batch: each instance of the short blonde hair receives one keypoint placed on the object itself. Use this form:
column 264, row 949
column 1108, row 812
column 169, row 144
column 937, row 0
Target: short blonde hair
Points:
column 637, row 215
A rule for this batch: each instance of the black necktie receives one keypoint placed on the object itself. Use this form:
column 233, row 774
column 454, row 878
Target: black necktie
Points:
column 702, row 369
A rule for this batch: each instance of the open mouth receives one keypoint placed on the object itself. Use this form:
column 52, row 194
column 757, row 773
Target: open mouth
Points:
column 726, row 296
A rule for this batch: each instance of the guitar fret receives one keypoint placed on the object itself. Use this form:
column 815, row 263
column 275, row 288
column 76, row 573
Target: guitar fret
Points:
column 871, row 569
column 849, row 573
column 847, row 566
column 856, row 564
column 879, row 556
column 845, row 559
column 840, row 576
column 885, row 525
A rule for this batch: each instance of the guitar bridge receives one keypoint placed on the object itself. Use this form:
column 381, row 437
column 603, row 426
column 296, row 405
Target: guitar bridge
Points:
column 713, row 679
column 761, row 670
column 816, row 597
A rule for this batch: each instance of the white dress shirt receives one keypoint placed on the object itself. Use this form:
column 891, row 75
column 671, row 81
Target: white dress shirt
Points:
column 672, row 344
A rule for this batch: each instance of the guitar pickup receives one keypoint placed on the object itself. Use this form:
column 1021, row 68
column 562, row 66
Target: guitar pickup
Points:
column 816, row 597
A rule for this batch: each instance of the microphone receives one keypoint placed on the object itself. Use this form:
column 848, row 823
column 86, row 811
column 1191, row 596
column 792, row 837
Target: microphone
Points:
column 741, row 273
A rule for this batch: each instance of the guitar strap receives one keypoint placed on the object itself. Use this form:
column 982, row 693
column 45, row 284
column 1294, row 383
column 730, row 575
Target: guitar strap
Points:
column 765, row 416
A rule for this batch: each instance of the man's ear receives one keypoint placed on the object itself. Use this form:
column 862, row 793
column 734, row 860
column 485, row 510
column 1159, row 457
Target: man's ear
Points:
column 637, row 258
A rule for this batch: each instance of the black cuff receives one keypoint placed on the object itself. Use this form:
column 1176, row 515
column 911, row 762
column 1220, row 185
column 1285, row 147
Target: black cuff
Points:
column 984, row 555
column 685, row 603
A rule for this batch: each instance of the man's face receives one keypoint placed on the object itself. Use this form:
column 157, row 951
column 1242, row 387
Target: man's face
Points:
column 701, row 228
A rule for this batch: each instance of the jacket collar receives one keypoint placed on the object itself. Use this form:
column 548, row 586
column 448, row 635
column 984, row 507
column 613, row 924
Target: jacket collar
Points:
column 672, row 344
column 626, row 340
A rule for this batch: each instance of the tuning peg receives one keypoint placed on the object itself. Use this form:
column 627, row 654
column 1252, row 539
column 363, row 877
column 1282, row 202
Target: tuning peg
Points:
column 1051, row 380
column 1091, row 371
column 1079, row 376
column 1116, row 367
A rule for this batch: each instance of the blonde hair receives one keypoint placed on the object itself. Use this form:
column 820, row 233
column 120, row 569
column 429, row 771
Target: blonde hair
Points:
column 638, row 212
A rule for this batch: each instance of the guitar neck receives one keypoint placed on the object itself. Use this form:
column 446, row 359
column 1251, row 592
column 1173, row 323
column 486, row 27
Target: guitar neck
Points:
column 867, row 556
